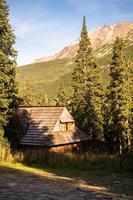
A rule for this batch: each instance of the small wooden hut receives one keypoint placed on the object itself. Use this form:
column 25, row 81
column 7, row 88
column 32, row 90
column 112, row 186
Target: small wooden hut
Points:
column 48, row 126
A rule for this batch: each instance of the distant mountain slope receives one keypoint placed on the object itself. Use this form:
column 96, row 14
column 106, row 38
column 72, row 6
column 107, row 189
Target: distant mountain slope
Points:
column 55, row 70
column 99, row 38
column 44, row 75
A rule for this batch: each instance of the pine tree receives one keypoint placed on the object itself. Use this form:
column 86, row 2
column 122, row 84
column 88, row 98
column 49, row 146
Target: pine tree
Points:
column 131, row 94
column 8, row 88
column 79, row 76
column 118, row 101
column 61, row 99
column 93, row 103
column 86, row 100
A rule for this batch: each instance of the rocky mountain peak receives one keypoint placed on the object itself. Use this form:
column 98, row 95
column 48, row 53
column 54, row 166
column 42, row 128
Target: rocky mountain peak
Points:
column 99, row 37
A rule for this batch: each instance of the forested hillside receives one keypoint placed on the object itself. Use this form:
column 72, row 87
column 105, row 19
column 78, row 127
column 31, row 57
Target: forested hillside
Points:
column 48, row 75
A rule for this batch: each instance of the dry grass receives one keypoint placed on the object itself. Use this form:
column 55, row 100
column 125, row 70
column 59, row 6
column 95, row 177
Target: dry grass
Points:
column 87, row 162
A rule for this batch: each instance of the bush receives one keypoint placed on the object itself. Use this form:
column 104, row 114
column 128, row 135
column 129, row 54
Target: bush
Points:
column 5, row 152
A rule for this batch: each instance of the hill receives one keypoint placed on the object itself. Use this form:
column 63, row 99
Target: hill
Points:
column 47, row 74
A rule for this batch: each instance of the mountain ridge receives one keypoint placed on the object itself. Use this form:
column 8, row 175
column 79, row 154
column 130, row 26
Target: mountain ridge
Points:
column 99, row 37
column 47, row 76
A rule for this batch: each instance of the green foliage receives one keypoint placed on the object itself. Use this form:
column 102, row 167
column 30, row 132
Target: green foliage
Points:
column 86, row 100
column 30, row 97
column 61, row 99
column 117, row 130
column 51, row 74
column 5, row 153
column 7, row 60
column 79, row 76
column 131, row 93
column 46, row 75
column 8, row 87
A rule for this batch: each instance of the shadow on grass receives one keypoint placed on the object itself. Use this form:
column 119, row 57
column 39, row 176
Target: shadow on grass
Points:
column 18, row 180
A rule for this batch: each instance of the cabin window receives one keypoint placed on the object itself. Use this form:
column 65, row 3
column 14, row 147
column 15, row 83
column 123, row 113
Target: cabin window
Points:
column 63, row 126
column 68, row 126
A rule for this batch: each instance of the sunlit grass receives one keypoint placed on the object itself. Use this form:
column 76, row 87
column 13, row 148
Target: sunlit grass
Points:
column 78, row 178
column 74, row 165
column 13, row 165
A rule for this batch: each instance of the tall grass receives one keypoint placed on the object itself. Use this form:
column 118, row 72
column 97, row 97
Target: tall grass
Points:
column 87, row 161
column 5, row 151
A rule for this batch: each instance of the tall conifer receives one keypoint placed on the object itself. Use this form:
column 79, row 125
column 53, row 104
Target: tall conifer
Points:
column 119, row 100
column 79, row 75
column 86, row 103
column 8, row 88
column 131, row 93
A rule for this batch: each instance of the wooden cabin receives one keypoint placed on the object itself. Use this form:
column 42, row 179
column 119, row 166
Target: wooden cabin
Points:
column 48, row 126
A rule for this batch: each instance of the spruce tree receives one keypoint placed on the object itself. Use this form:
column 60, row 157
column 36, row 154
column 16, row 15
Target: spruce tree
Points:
column 93, row 102
column 131, row 93
column 61, row 99
column 117, row 131
column 8, row 88
column 86, row 100
column 79, row 76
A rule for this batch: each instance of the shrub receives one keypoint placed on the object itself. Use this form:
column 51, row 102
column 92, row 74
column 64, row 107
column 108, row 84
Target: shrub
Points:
column 5, row 152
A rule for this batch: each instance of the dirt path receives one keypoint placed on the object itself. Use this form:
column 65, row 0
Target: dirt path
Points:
column 18, row 185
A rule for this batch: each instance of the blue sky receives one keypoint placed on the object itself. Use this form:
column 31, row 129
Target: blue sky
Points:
column 43, row 27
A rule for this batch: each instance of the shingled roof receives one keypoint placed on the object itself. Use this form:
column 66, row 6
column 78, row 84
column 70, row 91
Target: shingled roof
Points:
column 39, row 125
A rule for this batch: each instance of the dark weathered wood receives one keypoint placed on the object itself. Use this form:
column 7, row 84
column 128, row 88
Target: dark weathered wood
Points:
column 48, row 126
